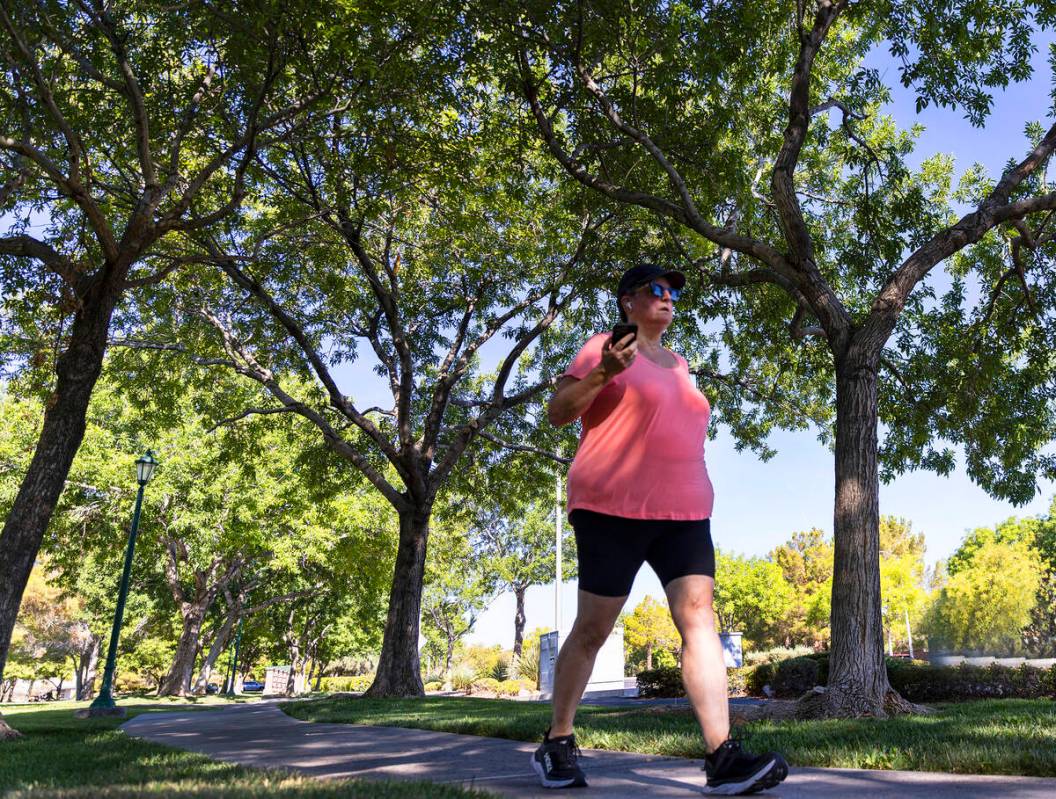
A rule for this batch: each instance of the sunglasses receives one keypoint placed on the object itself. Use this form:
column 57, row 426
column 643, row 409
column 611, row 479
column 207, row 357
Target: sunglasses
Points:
column 658, row 289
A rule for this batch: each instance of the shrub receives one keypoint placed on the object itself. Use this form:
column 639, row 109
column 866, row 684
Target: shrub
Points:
column 513, row 687
column 462, row 678
column 793, row 678
column 758, row 676
column 434, row 685
column 360, row 682
column 665, row 681
column 485, row 685
column 922, row 682
column 737, row 680
column 776, row 654
column 916, row 681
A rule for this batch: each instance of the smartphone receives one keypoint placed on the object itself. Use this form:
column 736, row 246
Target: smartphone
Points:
column 621, row 329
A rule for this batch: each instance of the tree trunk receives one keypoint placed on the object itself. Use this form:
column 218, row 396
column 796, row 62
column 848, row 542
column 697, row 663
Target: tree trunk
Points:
column 399, row 672
column 292, row 648
column 177, row 681
column 519, row 620
column 86, row 670
column 858, row 684
column 450, row 654
column 649, row 656
column 76, row 372
column 216, row 648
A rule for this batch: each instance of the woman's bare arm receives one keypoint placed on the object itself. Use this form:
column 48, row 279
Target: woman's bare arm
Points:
column 573, row 396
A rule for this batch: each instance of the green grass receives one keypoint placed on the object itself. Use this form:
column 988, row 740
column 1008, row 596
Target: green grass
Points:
column 1004, row 736
column 60, row 756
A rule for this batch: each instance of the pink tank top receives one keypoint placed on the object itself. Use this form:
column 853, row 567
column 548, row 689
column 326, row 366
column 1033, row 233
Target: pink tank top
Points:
column 641, row 451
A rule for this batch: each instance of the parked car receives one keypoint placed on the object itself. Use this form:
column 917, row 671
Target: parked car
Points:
column 212, row 688
column 252, row 687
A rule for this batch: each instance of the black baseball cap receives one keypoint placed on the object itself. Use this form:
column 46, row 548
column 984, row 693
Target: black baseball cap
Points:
column 642, row 273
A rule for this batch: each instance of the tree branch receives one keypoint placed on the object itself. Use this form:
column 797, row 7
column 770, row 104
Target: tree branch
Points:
column 28, row 247
column 970, row 228
column 752, row 247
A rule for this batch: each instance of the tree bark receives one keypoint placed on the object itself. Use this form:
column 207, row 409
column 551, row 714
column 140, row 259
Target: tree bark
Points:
column 858, row 684
column 399, row 671
column 293, row 646
column 649, row 656
column 449, row 655
column 519, row 619
column 76, row 371
column 86, row 670
column 215, row 649
column 177, row 682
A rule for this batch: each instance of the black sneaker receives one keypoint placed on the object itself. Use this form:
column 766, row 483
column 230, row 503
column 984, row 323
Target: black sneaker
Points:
column 733, row 771
column 555, row 761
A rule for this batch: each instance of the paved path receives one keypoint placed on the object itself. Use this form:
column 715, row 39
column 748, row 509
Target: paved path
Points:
column 261, row 734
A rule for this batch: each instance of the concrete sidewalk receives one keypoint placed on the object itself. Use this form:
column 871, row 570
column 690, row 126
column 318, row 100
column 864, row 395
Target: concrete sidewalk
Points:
column 262, row 735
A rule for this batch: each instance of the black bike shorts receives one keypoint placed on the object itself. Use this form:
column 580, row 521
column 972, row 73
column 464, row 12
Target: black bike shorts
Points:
column 611, row 550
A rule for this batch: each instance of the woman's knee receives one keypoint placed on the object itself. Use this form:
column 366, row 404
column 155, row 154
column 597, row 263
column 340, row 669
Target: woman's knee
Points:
column 591, row 635
column 694, row 615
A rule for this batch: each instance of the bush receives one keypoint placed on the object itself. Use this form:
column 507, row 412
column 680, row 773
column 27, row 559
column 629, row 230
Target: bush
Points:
column 360, row 682
column 514, row 687
column 737, row 680
column 758, row 676
column 485, row 685
column 916, row 681
column 435, row 685
column 776, row 654
column 921, row 682
column 793, row 678
column 462, row 678
column 665, row 681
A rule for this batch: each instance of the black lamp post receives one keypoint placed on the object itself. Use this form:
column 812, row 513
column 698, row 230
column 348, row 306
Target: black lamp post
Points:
column 104, row 704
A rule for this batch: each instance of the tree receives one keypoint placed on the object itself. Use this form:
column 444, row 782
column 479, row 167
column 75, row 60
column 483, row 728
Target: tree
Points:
column 751, row 596
column 902, row 579
column 459, row 584
column 806, row 563
column 48, row 630
column 511, row 495
column 751, row 133
column 988, row 601
column 151, row 658
column 405, row 232
column 129, row 125
column 647, row 629
column 1039, row 533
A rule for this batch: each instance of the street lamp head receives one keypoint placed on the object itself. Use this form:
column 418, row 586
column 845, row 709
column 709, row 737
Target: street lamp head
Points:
column 145, row 467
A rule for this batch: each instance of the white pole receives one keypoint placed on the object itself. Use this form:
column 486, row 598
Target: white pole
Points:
column 557, row 527
column 909, row 635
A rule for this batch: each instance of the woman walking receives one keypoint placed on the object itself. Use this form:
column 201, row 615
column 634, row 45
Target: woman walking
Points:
column 639, row 492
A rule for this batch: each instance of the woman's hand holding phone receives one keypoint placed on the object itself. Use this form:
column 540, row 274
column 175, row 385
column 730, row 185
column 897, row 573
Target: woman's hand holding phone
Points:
column 618, row 354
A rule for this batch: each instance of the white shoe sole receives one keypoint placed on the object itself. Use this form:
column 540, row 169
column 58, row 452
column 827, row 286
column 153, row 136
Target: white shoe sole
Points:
column 538, row 767
column 734, row 788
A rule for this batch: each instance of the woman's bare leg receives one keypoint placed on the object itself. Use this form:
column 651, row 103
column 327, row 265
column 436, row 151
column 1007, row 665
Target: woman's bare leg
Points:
column 703, row 666
column 595, row 618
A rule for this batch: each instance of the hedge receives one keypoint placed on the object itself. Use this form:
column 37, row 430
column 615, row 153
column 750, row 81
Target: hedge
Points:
column 360, row 682
column 922, row 682
column 916, row 681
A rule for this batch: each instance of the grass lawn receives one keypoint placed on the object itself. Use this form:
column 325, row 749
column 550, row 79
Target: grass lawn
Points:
column 1001, row 736
column 60, row 756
